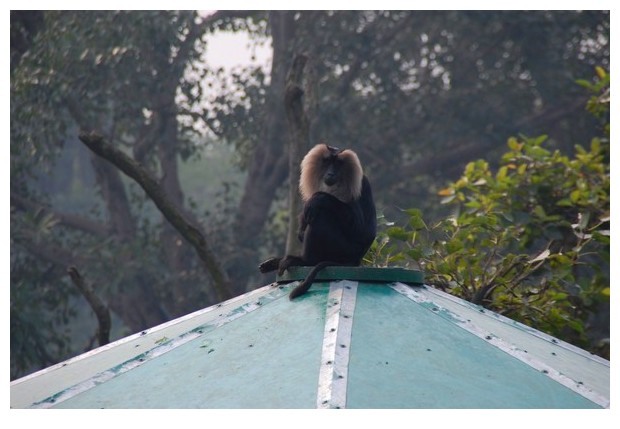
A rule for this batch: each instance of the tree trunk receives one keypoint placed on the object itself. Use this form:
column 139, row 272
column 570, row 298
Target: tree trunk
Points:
column 268, row 166
column 296, row 100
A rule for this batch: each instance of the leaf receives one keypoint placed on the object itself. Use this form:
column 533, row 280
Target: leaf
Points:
column 541, row 257
column 595, row 145
column 577, row 325
column 600, row 72
column 454, row 246
column 584, row 83
column 398, row 257
column 584, row 219
column 502, row 173
column 538, row 152
column 540, row 140
column 473, row 204
column 417, row 222
column 514, row 144
column 446, row 192
column 540, row 212
column 563, row 260
column 398, row 233
column 602, row 237
column 414, row 212
column 447, row 200
column 508, row 216
column 161, row 340
column 415, row 253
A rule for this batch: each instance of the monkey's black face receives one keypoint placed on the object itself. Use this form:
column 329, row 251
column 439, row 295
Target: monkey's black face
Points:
column 333, row 170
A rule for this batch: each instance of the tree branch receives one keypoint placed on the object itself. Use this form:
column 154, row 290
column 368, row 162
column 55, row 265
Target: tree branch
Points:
column 345, row 81
column 66, row 219
column 52, row 254
column 96, row 143
column 101, row 310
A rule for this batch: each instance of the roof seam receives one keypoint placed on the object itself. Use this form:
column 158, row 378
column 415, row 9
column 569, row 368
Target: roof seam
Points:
column 505, row 346
column 333, row 373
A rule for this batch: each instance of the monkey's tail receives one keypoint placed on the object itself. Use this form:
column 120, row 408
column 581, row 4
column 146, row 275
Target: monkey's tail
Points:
column 307, row 282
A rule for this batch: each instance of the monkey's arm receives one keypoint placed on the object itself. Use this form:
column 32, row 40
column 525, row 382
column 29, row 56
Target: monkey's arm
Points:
column 303, row 224
column 369, row 213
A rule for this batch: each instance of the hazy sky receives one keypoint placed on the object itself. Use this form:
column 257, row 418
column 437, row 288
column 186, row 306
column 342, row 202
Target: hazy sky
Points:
column 226, row 49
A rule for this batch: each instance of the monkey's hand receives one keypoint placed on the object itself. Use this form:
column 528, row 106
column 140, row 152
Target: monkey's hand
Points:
column 269, row 265
column 289, row 261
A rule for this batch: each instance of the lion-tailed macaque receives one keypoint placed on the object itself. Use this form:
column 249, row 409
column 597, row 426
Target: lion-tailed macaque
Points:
column 338, row 223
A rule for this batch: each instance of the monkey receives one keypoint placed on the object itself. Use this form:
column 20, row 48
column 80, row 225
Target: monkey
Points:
column 338, row 222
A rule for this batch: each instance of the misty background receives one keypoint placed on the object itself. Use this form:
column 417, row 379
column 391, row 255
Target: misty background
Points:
column 197, row 100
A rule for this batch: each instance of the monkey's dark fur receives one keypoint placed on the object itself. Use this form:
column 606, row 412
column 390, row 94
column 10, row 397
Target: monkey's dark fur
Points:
column 338, row 222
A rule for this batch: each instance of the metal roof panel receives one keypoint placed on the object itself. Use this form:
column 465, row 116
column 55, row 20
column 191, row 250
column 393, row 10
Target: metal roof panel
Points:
column 351, row 343
column 404, row 356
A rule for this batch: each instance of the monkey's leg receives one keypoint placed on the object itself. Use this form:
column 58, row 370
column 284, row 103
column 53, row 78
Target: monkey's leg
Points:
column 307, row 282
column 269, row 265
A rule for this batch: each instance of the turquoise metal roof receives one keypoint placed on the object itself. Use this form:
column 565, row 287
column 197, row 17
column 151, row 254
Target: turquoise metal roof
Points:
column 359, row 343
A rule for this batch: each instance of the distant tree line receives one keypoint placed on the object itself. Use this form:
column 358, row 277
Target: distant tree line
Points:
column 417, row 94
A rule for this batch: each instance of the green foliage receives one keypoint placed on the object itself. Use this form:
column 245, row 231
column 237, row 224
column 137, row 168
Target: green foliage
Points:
column 139, row 77
column 38, row 314
column 529, row 240
column 89, row 69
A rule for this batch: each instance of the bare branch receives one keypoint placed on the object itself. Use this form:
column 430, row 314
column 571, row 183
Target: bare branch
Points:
column 96, row 142
column 101, row 310
column 66, row 219
column 52, row 254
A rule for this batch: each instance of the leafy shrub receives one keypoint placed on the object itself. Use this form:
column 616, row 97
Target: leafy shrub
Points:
column 530, row 240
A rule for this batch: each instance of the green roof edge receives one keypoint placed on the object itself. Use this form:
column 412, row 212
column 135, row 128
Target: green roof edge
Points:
column 371, row 274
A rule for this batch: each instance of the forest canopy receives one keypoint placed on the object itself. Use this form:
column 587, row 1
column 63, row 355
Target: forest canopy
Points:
column 425, row 98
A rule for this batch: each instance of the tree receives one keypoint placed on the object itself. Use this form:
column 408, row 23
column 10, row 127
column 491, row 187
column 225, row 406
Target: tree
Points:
column 414, row 93
column 530, row 240
column 117, row 73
